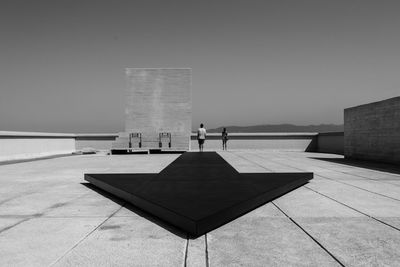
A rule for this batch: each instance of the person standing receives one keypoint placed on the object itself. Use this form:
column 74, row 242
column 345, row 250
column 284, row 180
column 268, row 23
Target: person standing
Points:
column 224, row 138
column 201, row 136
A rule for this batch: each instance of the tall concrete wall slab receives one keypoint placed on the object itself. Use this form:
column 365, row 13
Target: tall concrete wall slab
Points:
column 159, row 100
column 372, row 131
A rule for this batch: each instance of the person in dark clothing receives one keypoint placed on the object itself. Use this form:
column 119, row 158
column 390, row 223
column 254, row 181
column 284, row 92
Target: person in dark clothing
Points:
column 224, row 139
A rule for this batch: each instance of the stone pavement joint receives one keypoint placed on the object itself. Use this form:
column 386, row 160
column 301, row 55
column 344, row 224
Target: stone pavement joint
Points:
column 363, row 213
column 309, row 235
column 86, row 236
column 251, row 161
column 186, row 253
column 206, row 248
column 369, row 191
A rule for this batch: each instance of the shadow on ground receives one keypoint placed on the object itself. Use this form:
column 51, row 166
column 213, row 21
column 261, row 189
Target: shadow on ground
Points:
column 172, row 229
column 370, row 165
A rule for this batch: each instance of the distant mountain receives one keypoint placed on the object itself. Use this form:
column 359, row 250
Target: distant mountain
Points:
column 280, row 128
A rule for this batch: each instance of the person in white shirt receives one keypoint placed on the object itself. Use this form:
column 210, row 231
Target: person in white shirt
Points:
column 201, row 136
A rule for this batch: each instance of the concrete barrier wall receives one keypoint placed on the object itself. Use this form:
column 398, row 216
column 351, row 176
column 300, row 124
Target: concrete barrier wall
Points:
column 267, row 141
column 25, row 145
column 332, row 142
column 372, row 131
column 94, row 141
column 273, row 141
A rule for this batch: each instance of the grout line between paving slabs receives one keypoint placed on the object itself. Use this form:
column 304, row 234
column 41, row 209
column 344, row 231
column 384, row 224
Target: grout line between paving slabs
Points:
column 206, row 250
column 309, row 235
column 86, row 236
column 186, row 252
column 337, row 181
column 365, row 214
column 250, row 161
column 365, row 178
column 324, row 177
column 275, row 162
column 349, row 206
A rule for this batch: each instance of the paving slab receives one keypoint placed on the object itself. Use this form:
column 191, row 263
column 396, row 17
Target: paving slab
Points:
column 8, row 222
column 366, row 202
column 88, row 205
column 128, row 241
column 351, row 237
column 356, row 241
column 374, row 186
column 303, row 202
column 240, row 163
column 196, row 252
column 335, row 175
column 264, row 242
column 40, row 241
column 267, row 210
column 376, row 175
column 268, row 164
column 36, row 203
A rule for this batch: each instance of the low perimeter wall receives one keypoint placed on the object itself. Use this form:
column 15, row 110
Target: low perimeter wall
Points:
column 266, row 141
column 372, row 131
column 25, row 145
column 94, row 141
column 332, row 142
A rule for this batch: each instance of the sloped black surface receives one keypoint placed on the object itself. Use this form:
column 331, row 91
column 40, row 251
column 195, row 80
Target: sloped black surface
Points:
column 198, row 191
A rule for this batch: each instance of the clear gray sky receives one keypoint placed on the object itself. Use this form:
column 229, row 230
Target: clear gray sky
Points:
column 254, row 62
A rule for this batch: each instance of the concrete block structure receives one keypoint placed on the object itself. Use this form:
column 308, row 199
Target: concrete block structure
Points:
column 372, row 131
column 158, row 113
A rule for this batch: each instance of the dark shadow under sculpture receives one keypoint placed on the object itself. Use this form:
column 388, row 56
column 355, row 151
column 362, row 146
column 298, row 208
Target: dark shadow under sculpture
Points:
column 364, row 164
column 198, row 192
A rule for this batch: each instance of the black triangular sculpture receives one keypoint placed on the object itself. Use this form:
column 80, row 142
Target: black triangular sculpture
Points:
column 199, row 191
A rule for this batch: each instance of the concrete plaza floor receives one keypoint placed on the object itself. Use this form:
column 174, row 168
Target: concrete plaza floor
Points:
column 347, row 215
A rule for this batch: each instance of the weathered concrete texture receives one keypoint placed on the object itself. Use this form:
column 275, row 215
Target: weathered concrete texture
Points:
column 356, row 241
column 40, row 241
column 372, row 131
column 264, row 242
column 123, row 241
column 196, row 252
column 159, row 100
column 27, row 145
column 347, row 214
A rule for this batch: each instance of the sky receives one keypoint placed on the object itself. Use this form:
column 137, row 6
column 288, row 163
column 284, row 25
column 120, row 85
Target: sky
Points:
column 62, row 63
